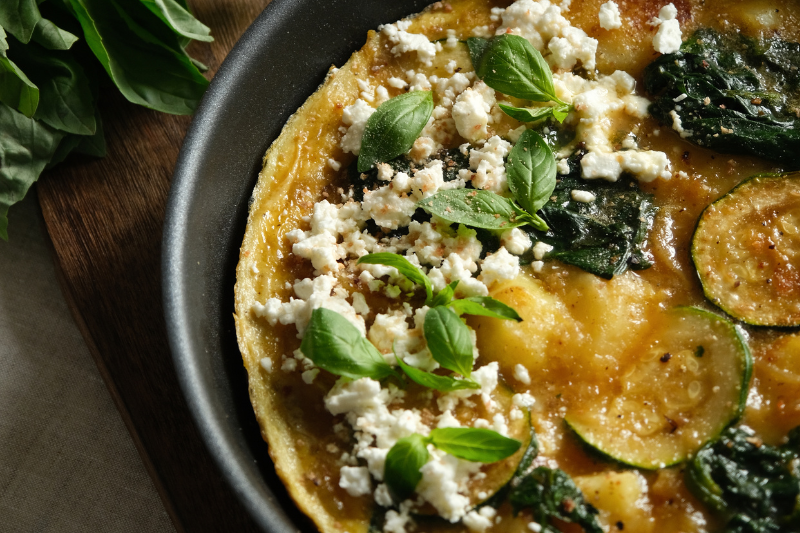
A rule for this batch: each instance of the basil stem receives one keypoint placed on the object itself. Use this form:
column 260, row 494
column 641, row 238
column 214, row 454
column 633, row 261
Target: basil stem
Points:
column 436, row 382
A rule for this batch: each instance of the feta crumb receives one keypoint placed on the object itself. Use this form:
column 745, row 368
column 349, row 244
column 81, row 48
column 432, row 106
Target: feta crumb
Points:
column 334, row 164
column 677, row 125
column 355, row 117
column 516, row 241
column 488, row 165
column 540, row 249
column 681, row 97
column 521, row 374
column 450, row 67
column 310, row 375
column 523, row 400
column 535, row 527
column 582, row 196
column 480, row 521
column 382, row 496
column 537, row 266
column 609, row 16
column 667, row 39
column 266, row 364
column 499, row 266
column 471, row 112
column 409, row 42
column 397, row 83
column 355, row 480
column 563, row 166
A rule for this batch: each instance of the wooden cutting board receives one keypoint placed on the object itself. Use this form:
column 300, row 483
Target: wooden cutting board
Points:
column 105, row 220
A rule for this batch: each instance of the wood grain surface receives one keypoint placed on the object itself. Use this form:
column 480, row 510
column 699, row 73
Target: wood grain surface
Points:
column 105, row 220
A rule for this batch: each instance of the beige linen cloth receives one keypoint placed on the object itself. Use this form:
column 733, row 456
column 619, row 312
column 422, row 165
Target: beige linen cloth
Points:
column 67, row 463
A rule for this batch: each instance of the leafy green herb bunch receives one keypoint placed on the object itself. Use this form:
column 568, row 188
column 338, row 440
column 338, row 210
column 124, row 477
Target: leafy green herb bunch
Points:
column 56, row 55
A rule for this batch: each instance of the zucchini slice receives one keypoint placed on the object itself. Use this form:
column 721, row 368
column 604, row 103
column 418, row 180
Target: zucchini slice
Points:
column 689, row 385
column 746, row 249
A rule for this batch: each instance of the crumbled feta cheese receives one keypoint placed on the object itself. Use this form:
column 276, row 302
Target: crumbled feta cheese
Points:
column 645, row 165
column 409, row 42
column 516, row 241
column 382, row 496
column 540, row 249
column 355, row 480
column 266, row 364
column 397, row 83
column 388, row 208
column 355, row 118
column 563, row 166
column 310, row 375
column 582, row 196
column 443, row 483
column 535, row 527
column 499, row 266
column 521, row 374
column 480, row 521
column 334, row 164
column 523, row 400
column 447, row 420
column 471, row 112
column 667, row 39
column 677, row 125
column 488, row 165
column 609, row 16
column 385, row 171
column 537, row 266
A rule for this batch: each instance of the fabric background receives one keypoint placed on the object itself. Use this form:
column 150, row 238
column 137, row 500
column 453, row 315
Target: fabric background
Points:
column 67, row 462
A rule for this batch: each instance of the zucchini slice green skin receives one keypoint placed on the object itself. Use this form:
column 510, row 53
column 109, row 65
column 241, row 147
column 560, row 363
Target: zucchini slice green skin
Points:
column 676, row 398
column 746, row 249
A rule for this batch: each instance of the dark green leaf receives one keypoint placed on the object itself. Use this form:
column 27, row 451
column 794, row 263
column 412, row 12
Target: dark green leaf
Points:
column 52, row 37
column 67, row 145
column 476, row 208
column 19, row 18
column 403, row 266
column 94, row 145
column 512, row 66
column 16, row 89
column 449, row 340
column 335, row 345
column 433, row 381
column 26, row 146
column 738, row 95
column 179, row 19
column 3, row 41
column 474, row 444
column 66, row 101
column 551, row 494
column 531, row 170
column 403, row 462
column 527, row 114
column 604, row 237
column 484, row 306
column 477, row 47
column 148, row 71
column 393, row 128
column 758, row 484
column 445, row 295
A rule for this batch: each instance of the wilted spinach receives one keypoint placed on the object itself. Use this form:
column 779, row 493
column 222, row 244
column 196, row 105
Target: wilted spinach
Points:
column 754, row 485
column 732, row 94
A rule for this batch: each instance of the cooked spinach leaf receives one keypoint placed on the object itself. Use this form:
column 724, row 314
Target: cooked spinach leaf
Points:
column 732, row 94
column 550, row 494
column 604, row 237
column 754, row 485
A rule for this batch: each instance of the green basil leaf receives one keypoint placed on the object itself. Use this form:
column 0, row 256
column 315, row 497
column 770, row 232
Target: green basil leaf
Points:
column 560, row 112
column 524, row 114
column 449, row 340
column 336, row 345
column 401, row 471
column 67, row 145
column 512, row 66
column 403, row 266
column 93, row 145
column 445, row 295
column 19, row 18
column 16, row 89
column 177, row 17
column 477, row 47
column 66, row 102
column 147, row 70
column 26, row 146
column 475, row 208
column 3, row 41
column 484, row 306
column 474, row 444
column 531, row 171
column 436, row 382
column 393, row 128
column 52, row 37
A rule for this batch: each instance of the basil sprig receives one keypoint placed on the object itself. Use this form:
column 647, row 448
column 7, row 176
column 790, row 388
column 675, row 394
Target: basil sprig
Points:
column 406, row 458
column 435, row 381
column 509, row 64
column 392, row 129
column 335, row 345
column 449, row 340
column 531, row 175
column 484, row 306
column 403, row 266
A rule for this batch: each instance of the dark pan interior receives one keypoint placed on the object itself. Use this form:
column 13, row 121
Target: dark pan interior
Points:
column 276, row 65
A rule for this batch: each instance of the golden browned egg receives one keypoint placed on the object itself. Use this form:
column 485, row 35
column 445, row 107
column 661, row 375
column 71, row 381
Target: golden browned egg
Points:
column 587, row 347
